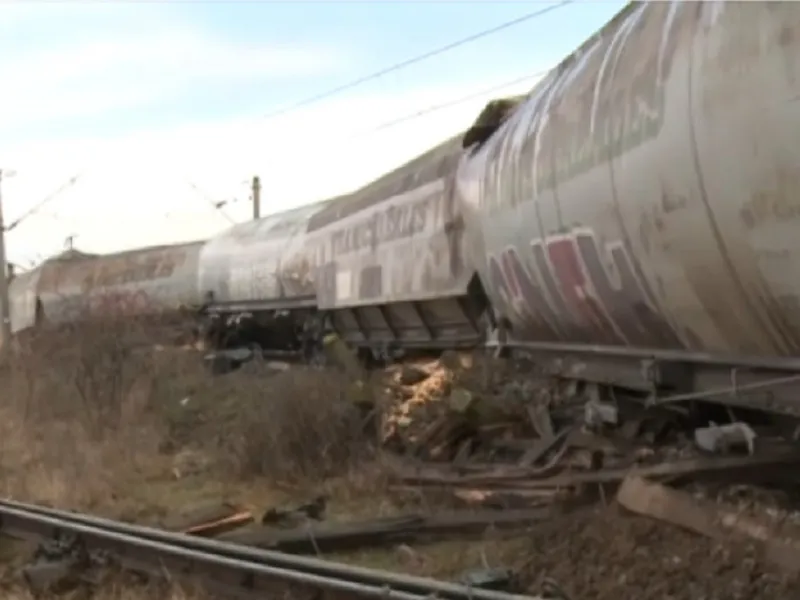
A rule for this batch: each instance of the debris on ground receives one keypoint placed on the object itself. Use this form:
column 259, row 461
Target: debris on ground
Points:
column 713, row 520
column 288, row 517
column 209, row 519
column 313, row 538
column 498, row 435
column 482, row 469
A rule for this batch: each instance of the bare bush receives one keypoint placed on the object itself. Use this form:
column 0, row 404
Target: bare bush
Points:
column 101, row 375
column 77, row 411
column 101, row 406
column 300, row 427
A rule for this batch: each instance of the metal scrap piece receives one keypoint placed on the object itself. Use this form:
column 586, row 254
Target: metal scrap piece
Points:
column 492, row 579
column 722, row 438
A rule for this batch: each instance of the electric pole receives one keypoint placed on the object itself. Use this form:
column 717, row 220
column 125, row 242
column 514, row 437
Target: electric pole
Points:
column 5, row 309
column 256, row 198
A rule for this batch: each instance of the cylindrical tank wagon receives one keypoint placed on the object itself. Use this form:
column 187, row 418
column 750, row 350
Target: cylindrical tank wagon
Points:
column 136, row 283
column 644, row 195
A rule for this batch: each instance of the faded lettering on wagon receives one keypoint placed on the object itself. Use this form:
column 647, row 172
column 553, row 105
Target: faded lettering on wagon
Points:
column 390, row 224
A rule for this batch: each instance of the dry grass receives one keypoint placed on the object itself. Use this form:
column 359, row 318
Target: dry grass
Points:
column 99, row 419
column 116, row 588
column 101, row 407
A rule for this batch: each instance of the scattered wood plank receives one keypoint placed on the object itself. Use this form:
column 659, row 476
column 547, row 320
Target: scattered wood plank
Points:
column 209, row 520
column 336, row 537
column 518, row 478
column 706, row 518
column 540, row 448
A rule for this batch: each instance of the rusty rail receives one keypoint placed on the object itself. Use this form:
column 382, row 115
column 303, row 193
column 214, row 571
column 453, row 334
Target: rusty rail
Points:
column 222, row 567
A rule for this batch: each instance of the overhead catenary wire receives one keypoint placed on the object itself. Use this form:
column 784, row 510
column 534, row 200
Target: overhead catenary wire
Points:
column 47, row 199
column 416, row 59
column 393, row 122
column 449, row 104
column 217, row 206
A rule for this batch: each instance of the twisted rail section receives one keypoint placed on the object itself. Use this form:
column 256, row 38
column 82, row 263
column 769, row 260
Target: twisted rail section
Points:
column 222, row 567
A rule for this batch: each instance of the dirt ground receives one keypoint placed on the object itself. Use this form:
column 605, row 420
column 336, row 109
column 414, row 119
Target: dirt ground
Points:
column 103, row 422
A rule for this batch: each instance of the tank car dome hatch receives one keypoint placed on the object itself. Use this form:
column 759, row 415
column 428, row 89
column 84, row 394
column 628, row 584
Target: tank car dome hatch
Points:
column 490, row 119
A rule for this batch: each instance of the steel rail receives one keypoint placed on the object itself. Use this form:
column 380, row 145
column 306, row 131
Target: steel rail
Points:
column 223, row 566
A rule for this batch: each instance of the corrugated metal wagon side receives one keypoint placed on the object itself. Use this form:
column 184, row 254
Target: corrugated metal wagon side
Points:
column 391, row 260
column 641, row 204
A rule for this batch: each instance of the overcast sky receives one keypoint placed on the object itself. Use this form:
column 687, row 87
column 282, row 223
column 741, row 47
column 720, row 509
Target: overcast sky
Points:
column 162, row 107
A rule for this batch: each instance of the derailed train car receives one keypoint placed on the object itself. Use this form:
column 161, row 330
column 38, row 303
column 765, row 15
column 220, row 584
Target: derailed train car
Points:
column 390, row 267
column 382, row 266
column 641, row 201
column 74, row 286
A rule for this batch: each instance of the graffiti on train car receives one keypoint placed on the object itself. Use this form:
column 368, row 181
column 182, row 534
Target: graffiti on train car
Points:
column 562, row 290
column 606, row 101
column 387, row 225
column 433, row 262
column 122, row 270
column 621, row 104
column 100, row 272
column 120, row 303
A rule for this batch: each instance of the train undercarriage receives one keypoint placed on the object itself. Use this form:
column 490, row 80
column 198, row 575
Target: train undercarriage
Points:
column 675, row 380
column 379, row 333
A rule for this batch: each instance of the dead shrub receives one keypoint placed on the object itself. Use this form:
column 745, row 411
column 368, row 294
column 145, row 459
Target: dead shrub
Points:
column 98, row 404
column 77, row 406
column 100, row 375
column 300, row 427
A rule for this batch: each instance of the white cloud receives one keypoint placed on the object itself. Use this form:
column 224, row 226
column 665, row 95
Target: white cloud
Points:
column 123, row 71
column 136, row 188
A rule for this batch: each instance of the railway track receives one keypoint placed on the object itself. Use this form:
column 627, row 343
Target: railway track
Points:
column 222, row 568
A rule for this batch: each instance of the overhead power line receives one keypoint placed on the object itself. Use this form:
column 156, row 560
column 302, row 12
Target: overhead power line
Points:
column 217, row 206
column 37, row 207
column 416, row 59
column 450, row 103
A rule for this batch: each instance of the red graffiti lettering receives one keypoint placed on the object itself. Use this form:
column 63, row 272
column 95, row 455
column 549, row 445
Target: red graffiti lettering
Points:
column 577, row 290
column 523, row 293
column 628, row 300
column 567, row 292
